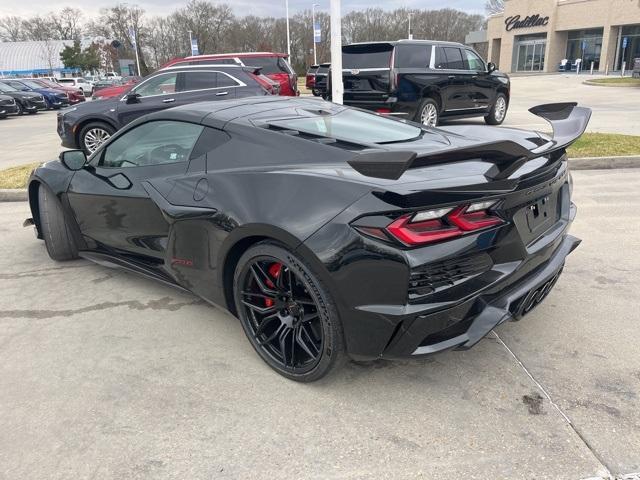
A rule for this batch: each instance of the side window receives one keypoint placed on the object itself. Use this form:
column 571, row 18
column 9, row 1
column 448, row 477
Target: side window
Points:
column 474, row 62
column 197, row 81
column 413, row 56
column 152, row 143
column 225, row 80
column 441, row 60
column 158, row 85
column 454, row 58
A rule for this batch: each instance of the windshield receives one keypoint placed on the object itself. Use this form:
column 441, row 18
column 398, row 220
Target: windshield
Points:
column 31, row 84
column 353, row 126
column 374, row 55
column 269, row 65
column 4, row 88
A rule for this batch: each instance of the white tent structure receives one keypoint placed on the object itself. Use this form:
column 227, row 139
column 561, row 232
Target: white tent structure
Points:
column 34, row 57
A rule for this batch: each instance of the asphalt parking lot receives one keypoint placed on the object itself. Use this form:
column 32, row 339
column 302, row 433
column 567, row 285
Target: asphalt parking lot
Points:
column 107, row 375
column 33, row 138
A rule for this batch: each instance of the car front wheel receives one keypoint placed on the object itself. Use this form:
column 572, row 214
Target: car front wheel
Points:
column 93, row 135
column 20, row 109
column 499, row 110
column 54, row 228
column 428, row 113
column 287, row 313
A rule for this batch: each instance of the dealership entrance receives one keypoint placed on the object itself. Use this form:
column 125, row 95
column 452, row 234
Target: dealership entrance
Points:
column 529, row 53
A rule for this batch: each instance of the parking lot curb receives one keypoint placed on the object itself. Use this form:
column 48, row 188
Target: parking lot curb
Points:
column 604, row 163
column 589, row 163
column 13, row 195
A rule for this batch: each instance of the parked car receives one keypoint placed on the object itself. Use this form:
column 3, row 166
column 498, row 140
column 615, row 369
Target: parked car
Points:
column 321, row 80
column 329, row 231
column 8, row 106
column 54, row 99
column 113, row 76
column 310, row 79
column 29, row 102
column 74, row 95
column 79, row 83
column 112, row 89
column 273, row 65
column 424, row 80
column 88, row 125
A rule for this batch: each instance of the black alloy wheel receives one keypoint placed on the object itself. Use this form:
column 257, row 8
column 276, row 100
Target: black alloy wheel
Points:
column 20, row 109
column 287, row 313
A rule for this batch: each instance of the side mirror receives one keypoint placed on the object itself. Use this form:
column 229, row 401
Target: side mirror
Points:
column 133, row 97
column 25, row 89
column 73, row 159
column 491, row 67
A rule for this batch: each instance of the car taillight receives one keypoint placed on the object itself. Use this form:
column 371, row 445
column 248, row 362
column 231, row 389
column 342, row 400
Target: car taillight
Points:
column 431, row 226
column 383, row 111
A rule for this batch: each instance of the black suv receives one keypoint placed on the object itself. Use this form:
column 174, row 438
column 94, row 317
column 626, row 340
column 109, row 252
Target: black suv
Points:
column 424, row 81
column 88, row 125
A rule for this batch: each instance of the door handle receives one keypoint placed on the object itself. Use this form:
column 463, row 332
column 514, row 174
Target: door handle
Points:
column 168, row 100
column 219, row 94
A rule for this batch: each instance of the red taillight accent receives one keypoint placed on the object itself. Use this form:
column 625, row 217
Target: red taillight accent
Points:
column 383, row 110
column 472, row 221
column 454, row 224
column 421, row 232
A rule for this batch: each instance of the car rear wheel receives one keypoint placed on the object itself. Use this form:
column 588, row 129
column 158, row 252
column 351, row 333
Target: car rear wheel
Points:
column 499, row 110
column 56, row 233
column 428, row 113
column 93, row 135
column 287, row 313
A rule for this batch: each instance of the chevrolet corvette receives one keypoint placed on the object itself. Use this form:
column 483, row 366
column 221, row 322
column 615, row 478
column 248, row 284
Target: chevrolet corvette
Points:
column 330, row 232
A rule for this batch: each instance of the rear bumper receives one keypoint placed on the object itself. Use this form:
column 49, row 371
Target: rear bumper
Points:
column 466, row 324
column 65, row 132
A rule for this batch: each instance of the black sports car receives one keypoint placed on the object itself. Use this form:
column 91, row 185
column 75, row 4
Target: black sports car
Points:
column 329, row 231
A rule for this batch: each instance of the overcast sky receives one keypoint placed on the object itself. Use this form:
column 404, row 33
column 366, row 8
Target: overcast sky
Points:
column 241, row 7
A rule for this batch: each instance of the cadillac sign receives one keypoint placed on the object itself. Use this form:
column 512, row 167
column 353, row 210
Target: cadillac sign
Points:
column 528, row 22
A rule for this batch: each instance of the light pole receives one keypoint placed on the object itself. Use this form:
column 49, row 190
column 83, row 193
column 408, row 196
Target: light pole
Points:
column 190, row 42
column 313, row 26
column 286, row 4
column 336, row 53
column 410, row 34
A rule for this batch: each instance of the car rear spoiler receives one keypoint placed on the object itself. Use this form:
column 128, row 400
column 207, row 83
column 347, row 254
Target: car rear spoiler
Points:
column 568, row 121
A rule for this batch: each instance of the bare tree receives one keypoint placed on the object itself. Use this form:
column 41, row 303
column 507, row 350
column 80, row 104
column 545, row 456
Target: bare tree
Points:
column 494, row 6
column 67, row 23
column 11, row 29
column 49, row 53
column 38, row 28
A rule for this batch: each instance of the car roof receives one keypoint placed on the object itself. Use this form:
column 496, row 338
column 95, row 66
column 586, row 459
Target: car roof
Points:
column 206, row 67
column 408, row 42
column 218, row 113
column 239, row 55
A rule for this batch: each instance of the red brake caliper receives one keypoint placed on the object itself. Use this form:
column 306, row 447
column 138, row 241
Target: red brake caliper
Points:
column 274, row 270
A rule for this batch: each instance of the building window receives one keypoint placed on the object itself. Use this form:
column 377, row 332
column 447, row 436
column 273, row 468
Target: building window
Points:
column 632, row 35
column 585, row 45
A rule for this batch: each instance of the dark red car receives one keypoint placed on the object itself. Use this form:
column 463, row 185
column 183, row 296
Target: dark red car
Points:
column 273, row 65
column 113, row 91
column 75, row 95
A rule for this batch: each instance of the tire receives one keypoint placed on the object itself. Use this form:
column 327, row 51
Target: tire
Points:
column 498, row 111
column 55, row 230
column 321, row 333
column 20, row 109
column 33, row 112
column 91, row 131
column 428, row 113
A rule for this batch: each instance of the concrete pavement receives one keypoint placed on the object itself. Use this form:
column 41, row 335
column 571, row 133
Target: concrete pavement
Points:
column 107, row 375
